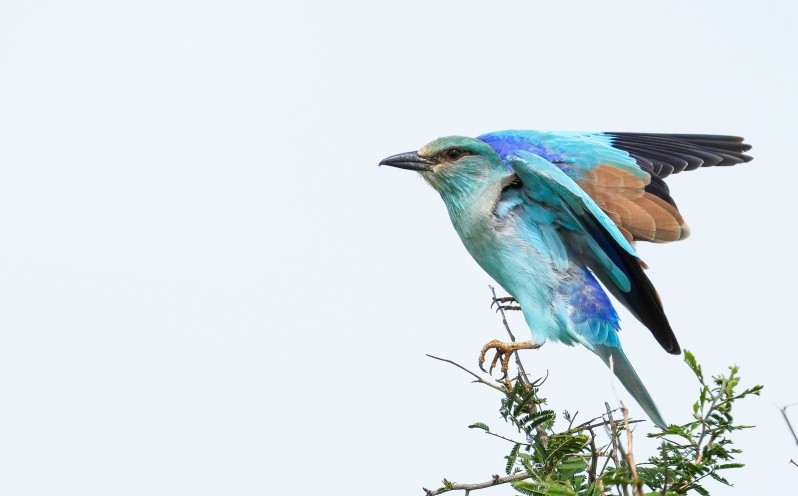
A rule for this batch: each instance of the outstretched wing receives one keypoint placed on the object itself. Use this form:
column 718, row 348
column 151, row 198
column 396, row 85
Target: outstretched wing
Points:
column 593, row 239
column 624, row 172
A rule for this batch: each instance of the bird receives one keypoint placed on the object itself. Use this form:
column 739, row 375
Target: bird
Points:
column 554, row 217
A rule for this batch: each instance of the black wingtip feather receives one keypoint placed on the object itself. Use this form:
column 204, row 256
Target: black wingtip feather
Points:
column 645, row 304
column 641, row 299
column 673, row 150
column 664, row 154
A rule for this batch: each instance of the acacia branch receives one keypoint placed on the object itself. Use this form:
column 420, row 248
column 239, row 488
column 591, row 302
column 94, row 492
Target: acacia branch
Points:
column 699, row 449
column 495, row 481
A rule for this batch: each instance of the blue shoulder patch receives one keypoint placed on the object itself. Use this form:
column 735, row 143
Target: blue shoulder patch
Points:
column 573, row 152
column 506, row 143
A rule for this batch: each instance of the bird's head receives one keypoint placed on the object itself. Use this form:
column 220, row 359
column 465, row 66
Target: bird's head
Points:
column 454, row 165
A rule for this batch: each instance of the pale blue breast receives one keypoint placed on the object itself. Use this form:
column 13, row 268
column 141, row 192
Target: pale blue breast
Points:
column 521, row 249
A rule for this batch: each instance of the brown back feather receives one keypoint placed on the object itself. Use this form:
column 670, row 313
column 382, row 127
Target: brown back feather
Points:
column 640, row 215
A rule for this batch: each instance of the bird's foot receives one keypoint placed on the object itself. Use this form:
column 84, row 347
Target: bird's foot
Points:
column 499, row 302
column 504, row 351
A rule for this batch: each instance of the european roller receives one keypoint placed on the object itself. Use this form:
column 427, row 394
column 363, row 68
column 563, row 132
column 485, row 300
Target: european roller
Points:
column 553, row 218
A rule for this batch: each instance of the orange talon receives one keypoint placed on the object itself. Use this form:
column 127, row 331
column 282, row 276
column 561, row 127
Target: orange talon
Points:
column 503, row 352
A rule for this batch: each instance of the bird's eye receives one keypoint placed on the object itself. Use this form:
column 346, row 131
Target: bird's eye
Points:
column 454, row 153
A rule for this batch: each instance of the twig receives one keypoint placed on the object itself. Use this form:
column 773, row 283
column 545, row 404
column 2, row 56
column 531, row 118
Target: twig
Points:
column 616, row 448
column 664, row 459
column 477, row 377
column 637, row 484
column 793, row 462
column 495, row 481
column 521, row 371
column 586, row 426
column 500, row 309
column 507, row 438
column 789, row 424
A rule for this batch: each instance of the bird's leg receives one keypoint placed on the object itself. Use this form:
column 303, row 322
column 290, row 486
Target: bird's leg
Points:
column 503, row 352
column 505, row 299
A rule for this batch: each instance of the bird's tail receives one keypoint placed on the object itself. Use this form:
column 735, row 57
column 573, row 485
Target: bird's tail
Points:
column 623, row 370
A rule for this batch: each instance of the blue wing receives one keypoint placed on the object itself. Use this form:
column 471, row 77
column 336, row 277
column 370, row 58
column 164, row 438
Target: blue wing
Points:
column 592, row 240
column 623, row 173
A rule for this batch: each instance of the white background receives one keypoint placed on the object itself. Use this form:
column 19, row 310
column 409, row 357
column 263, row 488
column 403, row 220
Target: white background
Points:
column 207, row 286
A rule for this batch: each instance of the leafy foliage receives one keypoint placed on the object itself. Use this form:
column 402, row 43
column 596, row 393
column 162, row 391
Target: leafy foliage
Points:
column 595, row 457
column 702, row 448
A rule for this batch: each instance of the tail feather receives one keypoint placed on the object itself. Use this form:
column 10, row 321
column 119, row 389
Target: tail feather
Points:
column 623, row 370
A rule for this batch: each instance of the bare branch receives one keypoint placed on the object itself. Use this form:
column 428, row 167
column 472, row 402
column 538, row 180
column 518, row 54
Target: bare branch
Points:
column 477, row 377
column 789, row 424
column 495, row 481
column 507, row 438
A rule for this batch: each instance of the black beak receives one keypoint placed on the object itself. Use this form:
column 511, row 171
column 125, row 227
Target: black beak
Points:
column 409, row 161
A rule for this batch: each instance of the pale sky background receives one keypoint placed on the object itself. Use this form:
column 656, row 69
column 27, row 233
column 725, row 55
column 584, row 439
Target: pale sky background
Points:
column 207, row 285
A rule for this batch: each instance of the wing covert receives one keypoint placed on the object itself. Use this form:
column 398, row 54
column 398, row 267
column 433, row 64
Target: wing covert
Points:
column 624, row 172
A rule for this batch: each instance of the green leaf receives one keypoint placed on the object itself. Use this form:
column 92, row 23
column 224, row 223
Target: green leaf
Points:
column 545, row 418
column 511, row 458
column 576, row 464
column 694, row 366
column 519, row 407
column 547, row 488
column 700, row 490
column 479, row 425
column 719, row 478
